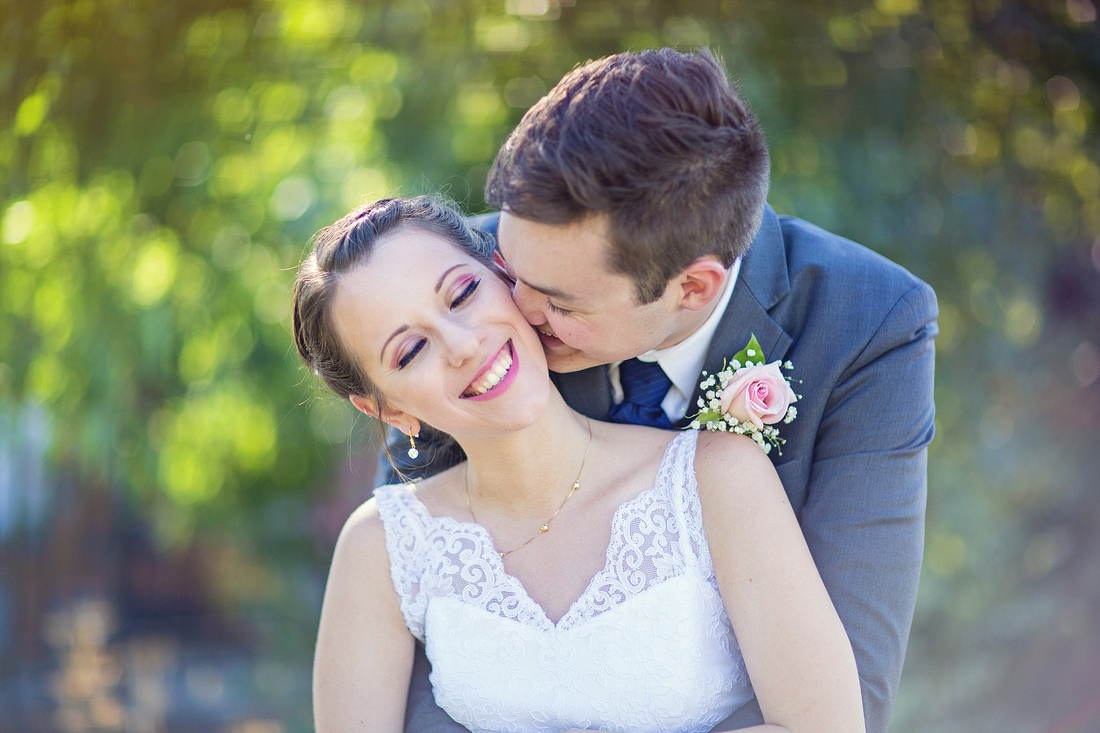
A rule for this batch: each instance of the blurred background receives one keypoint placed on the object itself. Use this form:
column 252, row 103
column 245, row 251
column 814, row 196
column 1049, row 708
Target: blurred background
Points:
column 172, row 481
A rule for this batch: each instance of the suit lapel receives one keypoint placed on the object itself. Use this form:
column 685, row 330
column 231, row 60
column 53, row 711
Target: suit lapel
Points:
column 587, row 391
column 762, row 283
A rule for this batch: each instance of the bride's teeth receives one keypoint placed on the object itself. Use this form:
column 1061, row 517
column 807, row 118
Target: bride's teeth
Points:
column 496, row 373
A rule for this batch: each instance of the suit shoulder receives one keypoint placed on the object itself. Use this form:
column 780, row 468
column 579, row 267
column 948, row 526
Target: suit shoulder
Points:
column 840, row 271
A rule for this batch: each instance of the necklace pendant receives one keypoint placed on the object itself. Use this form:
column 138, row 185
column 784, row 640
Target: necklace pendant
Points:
column 544, row 528
column 502, row 554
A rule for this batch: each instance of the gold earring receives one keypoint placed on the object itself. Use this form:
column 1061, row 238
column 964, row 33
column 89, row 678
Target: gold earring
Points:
column 413, row 452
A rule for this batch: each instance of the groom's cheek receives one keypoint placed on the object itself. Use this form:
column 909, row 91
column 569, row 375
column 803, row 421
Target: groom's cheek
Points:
column 528, row 302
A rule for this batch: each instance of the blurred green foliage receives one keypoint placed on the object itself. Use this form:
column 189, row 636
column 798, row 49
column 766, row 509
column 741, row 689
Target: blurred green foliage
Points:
column 164, row 164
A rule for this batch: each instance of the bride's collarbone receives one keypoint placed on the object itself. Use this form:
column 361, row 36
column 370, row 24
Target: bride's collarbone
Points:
column 629, row 460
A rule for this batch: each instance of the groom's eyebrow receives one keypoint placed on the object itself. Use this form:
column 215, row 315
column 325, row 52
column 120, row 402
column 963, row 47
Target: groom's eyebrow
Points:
column 548, row 291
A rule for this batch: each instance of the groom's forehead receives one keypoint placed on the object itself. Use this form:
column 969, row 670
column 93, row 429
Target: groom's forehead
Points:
column 565, row 264
column 572, row 251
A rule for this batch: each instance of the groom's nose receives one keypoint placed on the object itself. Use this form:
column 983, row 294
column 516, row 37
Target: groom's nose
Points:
column 529, row 302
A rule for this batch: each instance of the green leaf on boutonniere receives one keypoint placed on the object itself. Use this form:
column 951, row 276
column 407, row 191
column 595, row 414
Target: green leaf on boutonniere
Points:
column 708, row 415
column 752, row 352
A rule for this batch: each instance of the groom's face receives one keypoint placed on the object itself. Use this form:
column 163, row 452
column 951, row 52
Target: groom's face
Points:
column 584, row 313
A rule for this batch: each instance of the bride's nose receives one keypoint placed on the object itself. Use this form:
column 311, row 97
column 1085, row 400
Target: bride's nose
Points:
column 462, row 342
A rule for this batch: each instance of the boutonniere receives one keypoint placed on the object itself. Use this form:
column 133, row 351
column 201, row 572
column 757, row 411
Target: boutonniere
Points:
column 748, row 397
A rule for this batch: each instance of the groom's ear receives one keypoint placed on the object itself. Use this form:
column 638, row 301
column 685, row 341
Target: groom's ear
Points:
column 700, row 283
column 403, row 421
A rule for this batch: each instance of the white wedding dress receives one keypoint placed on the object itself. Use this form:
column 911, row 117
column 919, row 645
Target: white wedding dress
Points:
column 646, row 647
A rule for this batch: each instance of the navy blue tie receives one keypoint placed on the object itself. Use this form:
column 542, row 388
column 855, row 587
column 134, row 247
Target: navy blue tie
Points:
column 645, row 385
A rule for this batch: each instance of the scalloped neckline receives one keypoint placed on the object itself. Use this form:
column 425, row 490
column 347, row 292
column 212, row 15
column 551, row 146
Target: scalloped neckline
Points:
column 565, row 621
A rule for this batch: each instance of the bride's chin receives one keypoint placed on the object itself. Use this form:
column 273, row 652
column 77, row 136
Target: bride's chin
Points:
column 532, row 408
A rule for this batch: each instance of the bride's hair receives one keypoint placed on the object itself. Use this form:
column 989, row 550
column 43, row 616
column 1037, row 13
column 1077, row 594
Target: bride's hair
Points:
column 343, row 246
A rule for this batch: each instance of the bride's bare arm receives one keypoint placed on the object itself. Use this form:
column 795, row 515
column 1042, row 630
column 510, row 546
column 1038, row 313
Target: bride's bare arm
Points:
column 795, row 648
column 364, row 652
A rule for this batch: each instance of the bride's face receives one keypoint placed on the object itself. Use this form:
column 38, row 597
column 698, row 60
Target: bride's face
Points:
column 436, row 330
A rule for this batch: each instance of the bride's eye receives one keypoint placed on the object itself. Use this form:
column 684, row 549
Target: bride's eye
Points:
column 466, row 293
column 409, row 355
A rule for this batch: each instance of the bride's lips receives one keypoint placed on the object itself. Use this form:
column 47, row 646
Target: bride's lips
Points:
column 506, row 352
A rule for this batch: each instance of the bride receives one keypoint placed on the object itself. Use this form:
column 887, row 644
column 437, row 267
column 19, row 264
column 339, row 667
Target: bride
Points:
column 571, row 574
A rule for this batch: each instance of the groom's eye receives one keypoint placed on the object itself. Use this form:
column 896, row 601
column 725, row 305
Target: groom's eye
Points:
column 557, row 309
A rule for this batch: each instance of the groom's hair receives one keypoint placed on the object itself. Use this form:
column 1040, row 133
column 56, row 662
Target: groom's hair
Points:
column 659, row 142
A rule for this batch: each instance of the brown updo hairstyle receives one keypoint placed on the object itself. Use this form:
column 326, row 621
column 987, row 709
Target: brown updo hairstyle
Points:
column 345, row 245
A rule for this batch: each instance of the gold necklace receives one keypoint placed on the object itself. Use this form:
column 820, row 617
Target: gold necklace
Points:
column 545, row 527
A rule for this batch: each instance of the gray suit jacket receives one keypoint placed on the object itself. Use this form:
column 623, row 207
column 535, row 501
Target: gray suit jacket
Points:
column 859, row 330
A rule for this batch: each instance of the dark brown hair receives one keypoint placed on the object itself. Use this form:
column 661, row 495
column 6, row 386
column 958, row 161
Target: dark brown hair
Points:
column 339, row 248
column 659, row 142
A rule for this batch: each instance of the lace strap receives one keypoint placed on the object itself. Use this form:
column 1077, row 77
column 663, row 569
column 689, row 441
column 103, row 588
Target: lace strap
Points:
column 406, row 533
column 677, row 477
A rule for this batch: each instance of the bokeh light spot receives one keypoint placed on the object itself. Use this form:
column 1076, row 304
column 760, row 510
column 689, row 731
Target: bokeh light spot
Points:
column 945, row 553
column 292, row 198
column 1023, row 322
column 1062, row 94
column 154, row 270
column 1084, row 362
column 997, row 426
column 192, row 163
column 18, row 222
column 31, row 114
column 502, row 34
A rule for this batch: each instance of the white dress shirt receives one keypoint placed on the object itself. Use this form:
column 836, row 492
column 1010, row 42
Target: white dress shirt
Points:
column 683, row 361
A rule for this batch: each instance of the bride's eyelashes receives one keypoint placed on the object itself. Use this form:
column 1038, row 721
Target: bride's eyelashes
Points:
column 409, row 355
column 464, row 295
column 468, row 291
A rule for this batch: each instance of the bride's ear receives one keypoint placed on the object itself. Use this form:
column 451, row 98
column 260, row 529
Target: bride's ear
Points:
column 403, row 421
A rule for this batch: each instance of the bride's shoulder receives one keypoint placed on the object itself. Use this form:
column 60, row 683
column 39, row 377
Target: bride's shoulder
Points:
column 725, row 460
column 362, row 534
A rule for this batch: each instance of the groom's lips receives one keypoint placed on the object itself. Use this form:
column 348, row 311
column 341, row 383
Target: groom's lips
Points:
column 549, row 341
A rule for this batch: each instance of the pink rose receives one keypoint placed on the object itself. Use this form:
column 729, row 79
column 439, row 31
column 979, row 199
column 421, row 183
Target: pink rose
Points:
column 758, row 394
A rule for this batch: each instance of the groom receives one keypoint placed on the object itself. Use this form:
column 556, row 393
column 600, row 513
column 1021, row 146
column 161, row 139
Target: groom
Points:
column 635, row 226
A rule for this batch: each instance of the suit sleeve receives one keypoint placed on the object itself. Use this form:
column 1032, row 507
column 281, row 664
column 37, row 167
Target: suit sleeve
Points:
column 865, row 509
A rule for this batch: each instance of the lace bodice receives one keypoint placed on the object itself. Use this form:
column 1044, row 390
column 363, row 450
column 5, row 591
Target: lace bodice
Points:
column 646, row 647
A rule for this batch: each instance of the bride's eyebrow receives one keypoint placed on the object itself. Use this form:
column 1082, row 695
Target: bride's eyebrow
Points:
column 398, row 332
column 446, row 272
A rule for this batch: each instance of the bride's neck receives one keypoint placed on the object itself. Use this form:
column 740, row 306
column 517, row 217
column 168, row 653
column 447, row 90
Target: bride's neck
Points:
column 521, row 473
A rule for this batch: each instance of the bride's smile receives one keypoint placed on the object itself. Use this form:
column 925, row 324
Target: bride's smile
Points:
column 495, row 377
